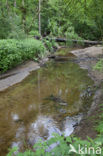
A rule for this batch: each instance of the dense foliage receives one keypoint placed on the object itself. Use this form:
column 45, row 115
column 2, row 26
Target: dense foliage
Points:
column 62, row 18
column 14, row 52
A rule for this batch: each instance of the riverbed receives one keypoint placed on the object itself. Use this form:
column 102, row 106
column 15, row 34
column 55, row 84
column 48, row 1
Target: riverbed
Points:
column 50, row 100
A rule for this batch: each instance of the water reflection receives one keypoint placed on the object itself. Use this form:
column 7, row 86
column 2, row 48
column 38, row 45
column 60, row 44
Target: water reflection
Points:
column 43, row 128
column 15, row 117
column 42, row 103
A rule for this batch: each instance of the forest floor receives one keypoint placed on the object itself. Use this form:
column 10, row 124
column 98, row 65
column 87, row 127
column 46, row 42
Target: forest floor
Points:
column 87, row 58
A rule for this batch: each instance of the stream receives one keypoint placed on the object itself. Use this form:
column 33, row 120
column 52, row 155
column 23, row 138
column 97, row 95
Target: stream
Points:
column 50, row 100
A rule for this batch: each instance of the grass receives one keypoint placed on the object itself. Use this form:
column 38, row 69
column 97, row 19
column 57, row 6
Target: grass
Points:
column 99, row 65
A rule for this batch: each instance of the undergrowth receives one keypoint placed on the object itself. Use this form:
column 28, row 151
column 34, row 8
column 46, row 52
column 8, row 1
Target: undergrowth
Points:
column 14, row 52
column 99, row 65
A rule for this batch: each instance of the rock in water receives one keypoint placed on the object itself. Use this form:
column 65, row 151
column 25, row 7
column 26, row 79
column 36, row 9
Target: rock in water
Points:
column 56, row 99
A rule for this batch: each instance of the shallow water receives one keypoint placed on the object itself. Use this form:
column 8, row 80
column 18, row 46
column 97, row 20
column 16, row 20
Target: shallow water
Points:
column 50, row 100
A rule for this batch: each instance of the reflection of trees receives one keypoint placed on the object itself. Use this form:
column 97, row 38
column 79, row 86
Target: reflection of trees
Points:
column 64, row 80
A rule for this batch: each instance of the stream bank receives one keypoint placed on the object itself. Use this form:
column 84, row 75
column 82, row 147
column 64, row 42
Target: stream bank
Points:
column 87, row 58
column 68, row 79
column 44, row 103
column 19, row 73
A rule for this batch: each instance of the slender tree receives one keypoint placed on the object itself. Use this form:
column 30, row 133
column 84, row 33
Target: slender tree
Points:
column 7, row 6
column 23, row 9
column 15, row 3
column 40, row 17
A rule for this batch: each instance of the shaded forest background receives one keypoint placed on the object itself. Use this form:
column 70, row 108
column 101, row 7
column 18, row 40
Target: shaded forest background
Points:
column 73, row 19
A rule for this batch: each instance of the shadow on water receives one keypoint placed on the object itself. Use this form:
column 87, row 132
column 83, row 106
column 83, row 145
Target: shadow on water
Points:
column 50, row 100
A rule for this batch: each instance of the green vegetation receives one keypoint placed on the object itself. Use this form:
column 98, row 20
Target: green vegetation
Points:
column 27, row 19
column 78, row 19
column 51, row 45
column 99, row 65
column 14, row 52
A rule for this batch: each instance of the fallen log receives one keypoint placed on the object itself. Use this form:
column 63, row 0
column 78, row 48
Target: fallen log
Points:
column 76, row 41
column 86, row 42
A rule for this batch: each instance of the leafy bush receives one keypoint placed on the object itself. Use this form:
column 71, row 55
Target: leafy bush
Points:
column 87, row 31
column 17, row 31
column 34, row 34
column 99, row 65
column 5, row 27
column 62, row 147
column 14, row 52
column 50, row 44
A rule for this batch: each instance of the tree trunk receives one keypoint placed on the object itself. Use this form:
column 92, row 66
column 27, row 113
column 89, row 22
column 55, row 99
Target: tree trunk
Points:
column 23, row 3
column 23, row 9
column 7, row 6
column 40, row 17
column 15, row 3
column 86, row 42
